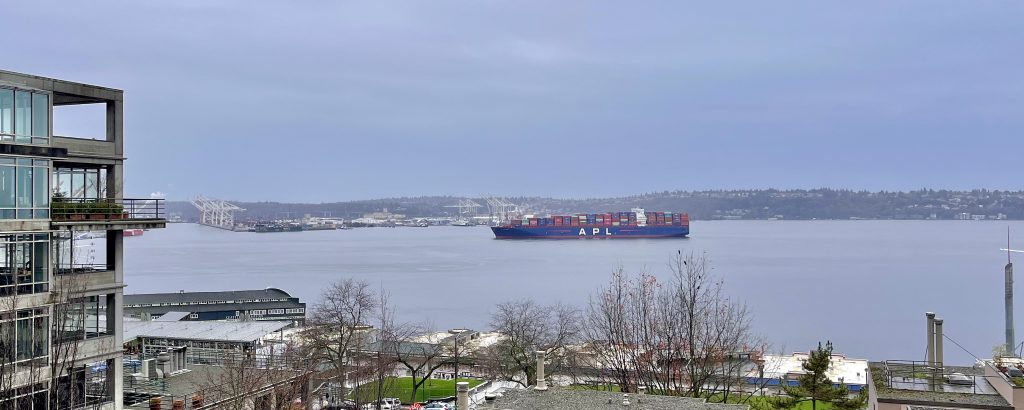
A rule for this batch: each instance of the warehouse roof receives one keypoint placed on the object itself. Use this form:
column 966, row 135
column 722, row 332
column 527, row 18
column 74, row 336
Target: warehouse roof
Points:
column 171, row 317
column 199, row 330
column 222, row 296
column 216, row 307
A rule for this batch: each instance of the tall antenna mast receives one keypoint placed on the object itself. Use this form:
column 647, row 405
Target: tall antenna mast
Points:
column 1010, row 343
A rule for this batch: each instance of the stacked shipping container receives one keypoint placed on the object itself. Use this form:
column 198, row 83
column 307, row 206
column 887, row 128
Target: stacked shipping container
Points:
column 608, row 219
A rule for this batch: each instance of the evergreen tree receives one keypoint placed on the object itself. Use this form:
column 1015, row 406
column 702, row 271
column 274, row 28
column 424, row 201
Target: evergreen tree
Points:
column 815, row 386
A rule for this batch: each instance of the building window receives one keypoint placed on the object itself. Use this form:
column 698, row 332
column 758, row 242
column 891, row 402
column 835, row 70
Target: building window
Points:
column 24, row 335
column 83, row 318
column 193, row 316
column 24, row 188
column 258, row 312
column 6, row 113
column 40, row 116
column 24, row 264
column 84, row 183
column 24, row 117
column 276, row 311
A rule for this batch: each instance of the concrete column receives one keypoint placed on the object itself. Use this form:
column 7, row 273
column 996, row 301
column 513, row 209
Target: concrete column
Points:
column 462, row 395
column 115, row 125
column 115, row 382
column 541, row 383
column 930, row 353
column 938, row 344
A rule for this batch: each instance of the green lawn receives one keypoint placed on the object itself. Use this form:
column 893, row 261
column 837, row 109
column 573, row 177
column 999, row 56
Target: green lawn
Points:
column 401, row 387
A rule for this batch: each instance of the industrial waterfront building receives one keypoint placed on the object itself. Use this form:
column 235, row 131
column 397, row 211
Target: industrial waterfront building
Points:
column 60, row 314
column 254, row 305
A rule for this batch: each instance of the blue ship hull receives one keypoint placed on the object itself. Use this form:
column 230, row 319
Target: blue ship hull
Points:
column 603, row 232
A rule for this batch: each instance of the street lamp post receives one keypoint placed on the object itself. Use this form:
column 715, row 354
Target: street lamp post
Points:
column 457, row 333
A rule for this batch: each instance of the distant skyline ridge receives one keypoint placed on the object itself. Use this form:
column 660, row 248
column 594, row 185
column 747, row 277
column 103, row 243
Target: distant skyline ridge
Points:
column 711, row 204
column 1019, row 191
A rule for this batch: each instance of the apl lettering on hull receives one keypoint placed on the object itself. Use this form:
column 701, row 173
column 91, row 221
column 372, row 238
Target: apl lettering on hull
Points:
column 597, row 231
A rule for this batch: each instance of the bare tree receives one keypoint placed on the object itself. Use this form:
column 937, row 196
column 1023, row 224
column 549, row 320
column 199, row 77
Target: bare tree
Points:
column 244, row 380
column 421, row 359
column 388, row 340
column 527, row 327
column 8, row 347
column 335, row 329
column 684, row 336
column 69, row 315
column 50, row 356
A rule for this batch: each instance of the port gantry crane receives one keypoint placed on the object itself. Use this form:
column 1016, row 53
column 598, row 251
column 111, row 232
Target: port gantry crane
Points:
column 467, row 210
column 502, row 211
column 216, row 213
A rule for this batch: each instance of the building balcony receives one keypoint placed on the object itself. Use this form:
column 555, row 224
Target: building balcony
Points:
column 101, row 214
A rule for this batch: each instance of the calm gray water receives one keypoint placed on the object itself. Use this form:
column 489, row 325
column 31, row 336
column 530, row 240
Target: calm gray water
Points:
column 865, row 285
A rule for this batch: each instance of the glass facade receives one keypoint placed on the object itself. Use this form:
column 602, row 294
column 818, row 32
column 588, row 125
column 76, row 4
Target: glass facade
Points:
column 26, row 335
column 24, row 263
column 24, row 117
column 80, row 182
column 24, row 188
column 34, row 253
column 84, row 318
column 6, row 112
column 25, row 344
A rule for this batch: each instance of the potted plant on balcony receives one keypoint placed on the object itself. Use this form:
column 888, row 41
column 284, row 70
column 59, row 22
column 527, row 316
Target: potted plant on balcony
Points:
column 98, row 210
column 76, row 211
column 117, row 211
column 59, row 207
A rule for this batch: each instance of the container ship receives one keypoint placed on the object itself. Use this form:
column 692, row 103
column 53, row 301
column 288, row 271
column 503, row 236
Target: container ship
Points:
column 634, row 224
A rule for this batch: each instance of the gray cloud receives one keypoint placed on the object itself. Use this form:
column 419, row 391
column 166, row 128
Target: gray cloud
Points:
column 552, row 98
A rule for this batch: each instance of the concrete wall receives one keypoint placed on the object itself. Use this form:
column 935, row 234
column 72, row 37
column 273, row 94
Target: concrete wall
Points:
column 1011, row 393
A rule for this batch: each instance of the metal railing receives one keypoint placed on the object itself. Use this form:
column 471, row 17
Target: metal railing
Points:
column 76, row 209
column 931, row 376
column 77, row 268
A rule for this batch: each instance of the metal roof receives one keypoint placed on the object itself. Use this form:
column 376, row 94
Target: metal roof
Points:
column 236, row 295
column 216, row 307
column 203, row 330
column 171, row 317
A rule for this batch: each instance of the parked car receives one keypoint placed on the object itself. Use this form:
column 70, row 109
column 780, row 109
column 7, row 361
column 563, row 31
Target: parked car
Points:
column 437, row 405
column 390, row 403
column 344, row 405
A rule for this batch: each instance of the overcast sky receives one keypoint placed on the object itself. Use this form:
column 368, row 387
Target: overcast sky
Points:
column 336, row 100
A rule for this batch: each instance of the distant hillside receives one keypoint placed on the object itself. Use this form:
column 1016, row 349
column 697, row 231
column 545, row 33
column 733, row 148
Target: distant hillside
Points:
column 740, row 204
